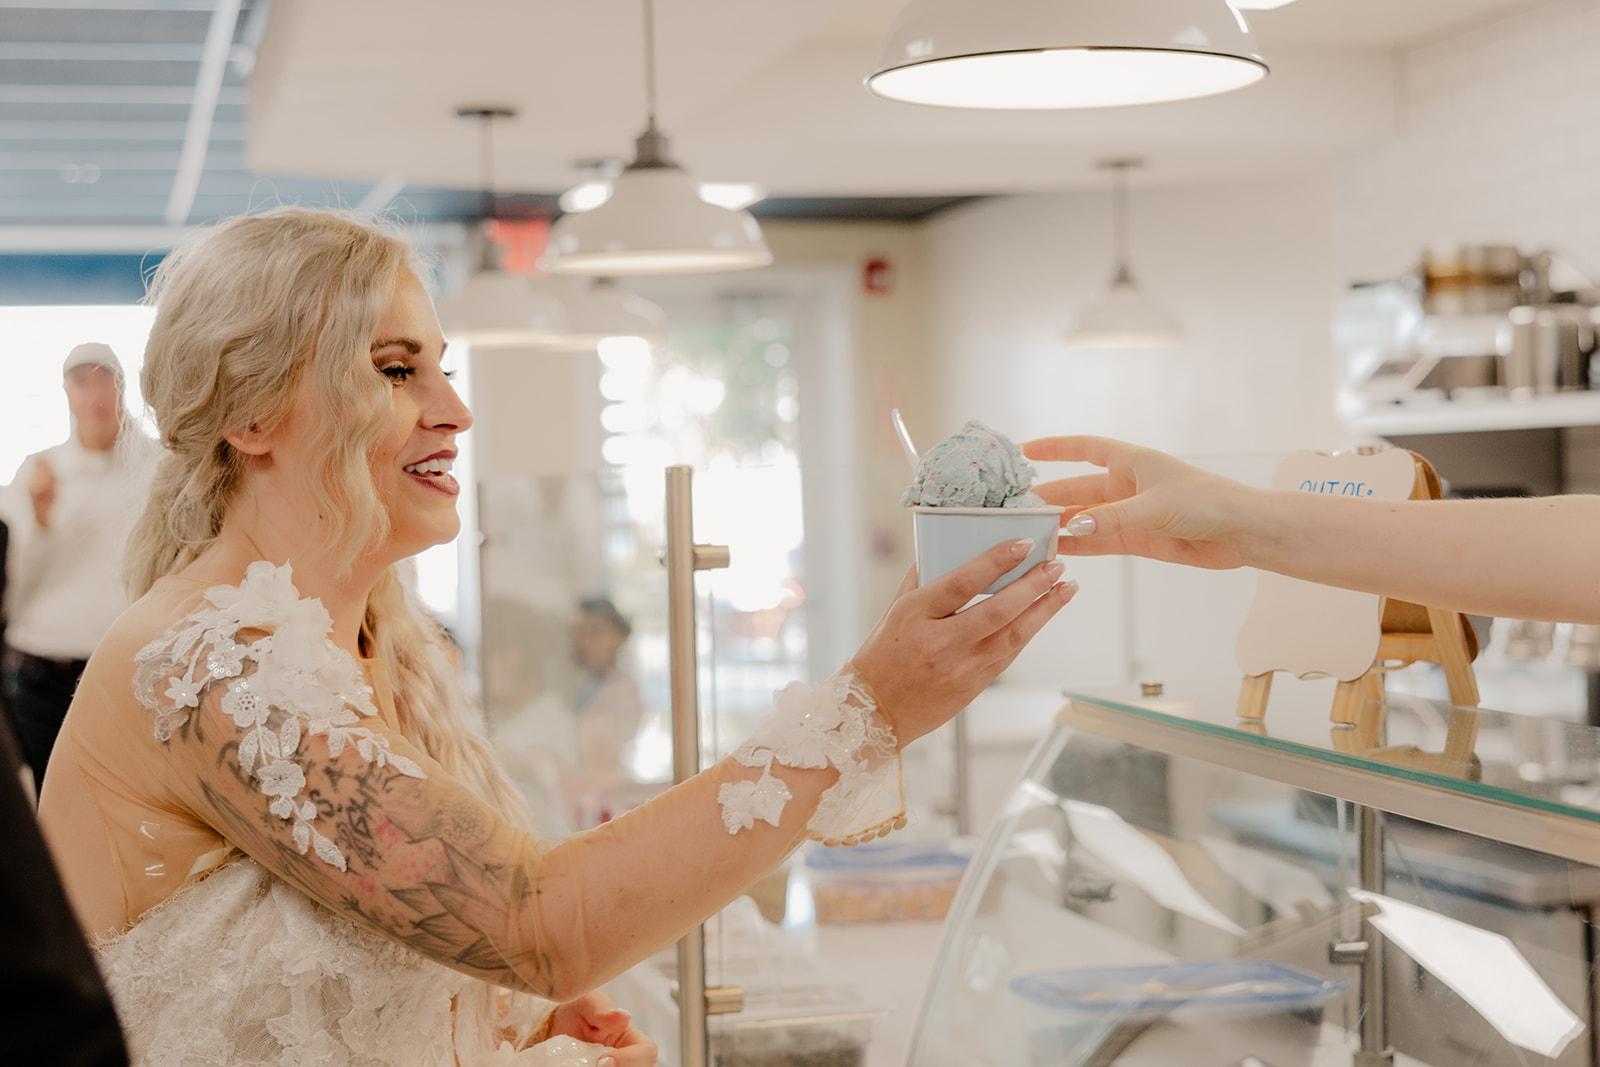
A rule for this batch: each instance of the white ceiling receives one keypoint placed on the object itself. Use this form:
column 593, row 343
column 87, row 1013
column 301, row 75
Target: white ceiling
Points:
column 351, row 100
column 771, row 91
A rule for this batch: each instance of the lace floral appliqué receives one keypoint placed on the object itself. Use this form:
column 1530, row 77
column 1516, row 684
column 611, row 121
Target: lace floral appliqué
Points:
column 293, row 673
column 836, row 724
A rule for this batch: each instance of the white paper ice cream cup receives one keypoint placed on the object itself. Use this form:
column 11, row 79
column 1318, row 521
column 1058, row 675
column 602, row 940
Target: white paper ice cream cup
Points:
column 948, row 537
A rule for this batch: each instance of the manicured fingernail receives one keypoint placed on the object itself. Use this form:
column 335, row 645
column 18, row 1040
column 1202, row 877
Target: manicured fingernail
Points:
column 1068, row 589
column 1053, row 569
column 607, row 1061
column 1080, row 525
column 1022, row 548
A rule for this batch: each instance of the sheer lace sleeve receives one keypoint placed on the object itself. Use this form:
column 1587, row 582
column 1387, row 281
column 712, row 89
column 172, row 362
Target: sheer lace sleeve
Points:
column 288, row 681
column 265, row 731
column 837, row 724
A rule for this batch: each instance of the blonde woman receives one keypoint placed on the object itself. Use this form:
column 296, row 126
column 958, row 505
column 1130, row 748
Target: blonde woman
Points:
column 267, row 801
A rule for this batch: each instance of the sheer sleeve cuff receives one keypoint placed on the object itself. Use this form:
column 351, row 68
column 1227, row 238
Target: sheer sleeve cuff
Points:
column 836, row 724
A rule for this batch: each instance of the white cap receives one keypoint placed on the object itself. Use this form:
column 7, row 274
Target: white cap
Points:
column 93, row 354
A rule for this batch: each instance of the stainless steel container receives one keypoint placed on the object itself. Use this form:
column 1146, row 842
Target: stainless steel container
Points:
column 1550, row 349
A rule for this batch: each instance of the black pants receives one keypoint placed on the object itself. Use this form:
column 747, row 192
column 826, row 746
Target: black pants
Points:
column 37, row 692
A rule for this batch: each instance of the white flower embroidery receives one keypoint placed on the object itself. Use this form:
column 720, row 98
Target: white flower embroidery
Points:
column 184, row 693
column 745, row 802
column 313, row 686
column 280, row 778
column 837, row 725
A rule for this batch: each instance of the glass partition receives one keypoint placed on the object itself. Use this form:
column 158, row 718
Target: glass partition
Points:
column 1167, row 885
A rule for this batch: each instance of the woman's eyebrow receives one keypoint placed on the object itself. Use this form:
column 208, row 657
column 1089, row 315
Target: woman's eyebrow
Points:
column 414, row 347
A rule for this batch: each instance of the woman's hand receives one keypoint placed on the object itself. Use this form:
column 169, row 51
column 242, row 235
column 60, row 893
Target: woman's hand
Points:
column 926, row 659
column 1144, row 504
column 595, row 1019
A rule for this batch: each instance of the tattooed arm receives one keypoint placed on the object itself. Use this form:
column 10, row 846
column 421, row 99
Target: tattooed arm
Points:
column 256, row 718
column 429, row 865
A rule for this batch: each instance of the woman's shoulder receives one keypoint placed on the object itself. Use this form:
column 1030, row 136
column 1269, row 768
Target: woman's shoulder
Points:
column 192, row 630
column 263, row 598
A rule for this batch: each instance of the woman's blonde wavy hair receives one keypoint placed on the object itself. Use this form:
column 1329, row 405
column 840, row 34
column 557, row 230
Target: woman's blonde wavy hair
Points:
column 245, row 313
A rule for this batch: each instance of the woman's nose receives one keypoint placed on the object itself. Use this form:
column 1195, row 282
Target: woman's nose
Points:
column 448, row 411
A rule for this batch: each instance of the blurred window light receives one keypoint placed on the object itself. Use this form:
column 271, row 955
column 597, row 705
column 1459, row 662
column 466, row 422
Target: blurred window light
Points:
column 629, row 355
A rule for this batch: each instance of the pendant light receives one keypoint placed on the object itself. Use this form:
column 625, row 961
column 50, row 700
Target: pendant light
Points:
column 655, row 221
column 1041, row 54
column 1124, row 317
column 605, row 311
column 495, row 308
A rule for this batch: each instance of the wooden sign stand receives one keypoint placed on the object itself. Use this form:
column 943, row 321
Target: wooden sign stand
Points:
column 1408, row 633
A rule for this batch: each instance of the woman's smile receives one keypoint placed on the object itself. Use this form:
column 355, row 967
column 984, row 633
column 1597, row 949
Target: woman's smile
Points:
column 434, row 472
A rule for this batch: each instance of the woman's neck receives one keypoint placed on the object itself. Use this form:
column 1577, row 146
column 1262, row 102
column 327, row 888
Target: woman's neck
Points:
column 343, row 590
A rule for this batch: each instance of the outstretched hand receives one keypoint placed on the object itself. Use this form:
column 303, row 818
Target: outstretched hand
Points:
column 1144, row 503
column 926, row 659
column 595, row 1019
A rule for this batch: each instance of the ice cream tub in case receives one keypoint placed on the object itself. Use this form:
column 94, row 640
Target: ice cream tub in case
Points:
column 948, row 537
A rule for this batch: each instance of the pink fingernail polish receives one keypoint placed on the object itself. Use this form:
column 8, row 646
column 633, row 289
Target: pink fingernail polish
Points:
column 1022, row 548
column 607, row 1061
column 1080, row 525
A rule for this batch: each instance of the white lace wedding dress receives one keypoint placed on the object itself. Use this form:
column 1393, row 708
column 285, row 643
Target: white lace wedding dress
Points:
column 239, row 969
column 236, row 967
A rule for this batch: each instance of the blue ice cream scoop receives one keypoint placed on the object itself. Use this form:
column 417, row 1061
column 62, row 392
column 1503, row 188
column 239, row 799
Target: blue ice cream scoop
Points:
column 975, row 468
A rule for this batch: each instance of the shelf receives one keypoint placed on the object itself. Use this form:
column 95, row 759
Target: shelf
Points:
column 1530, row 782
column 1466, row 416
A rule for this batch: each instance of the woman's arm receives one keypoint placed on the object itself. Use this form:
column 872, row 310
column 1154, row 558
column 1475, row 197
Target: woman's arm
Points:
column 1529, row 558
column 380, row 834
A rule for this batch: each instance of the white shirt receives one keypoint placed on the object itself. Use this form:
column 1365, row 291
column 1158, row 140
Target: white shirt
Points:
column 64, row 581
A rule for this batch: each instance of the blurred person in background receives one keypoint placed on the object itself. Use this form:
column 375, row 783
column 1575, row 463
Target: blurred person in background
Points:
column 68, row 511
column 608, row 711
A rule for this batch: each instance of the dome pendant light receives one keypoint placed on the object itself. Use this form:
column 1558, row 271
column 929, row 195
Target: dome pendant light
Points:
column 655, row 221
column 605, row 310
column 1043, row 54
column 495, row 308
column 1124, row 317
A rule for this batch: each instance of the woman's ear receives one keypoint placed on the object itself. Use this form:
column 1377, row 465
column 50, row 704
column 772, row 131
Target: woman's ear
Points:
column 251, row 440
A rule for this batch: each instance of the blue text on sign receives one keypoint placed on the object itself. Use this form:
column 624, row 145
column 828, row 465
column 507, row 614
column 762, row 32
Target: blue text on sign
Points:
column 1336, row 488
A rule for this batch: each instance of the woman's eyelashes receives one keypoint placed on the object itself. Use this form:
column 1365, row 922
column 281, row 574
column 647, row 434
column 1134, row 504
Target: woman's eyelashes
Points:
column 400, row 371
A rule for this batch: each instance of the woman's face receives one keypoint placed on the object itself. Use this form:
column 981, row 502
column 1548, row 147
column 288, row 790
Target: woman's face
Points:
column 412, row 461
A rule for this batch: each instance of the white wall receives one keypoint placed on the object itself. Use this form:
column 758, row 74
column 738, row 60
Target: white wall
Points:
column 1247, row 270
column 1497, row 145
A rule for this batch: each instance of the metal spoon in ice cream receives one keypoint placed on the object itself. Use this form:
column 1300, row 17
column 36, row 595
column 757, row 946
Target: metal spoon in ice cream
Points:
column 913, row 457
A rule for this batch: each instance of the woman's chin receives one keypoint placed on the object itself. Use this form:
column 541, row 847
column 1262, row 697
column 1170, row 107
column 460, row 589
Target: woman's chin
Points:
column 404, row 544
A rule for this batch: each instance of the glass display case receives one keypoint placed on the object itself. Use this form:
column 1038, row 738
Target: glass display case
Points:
column 1169, row 885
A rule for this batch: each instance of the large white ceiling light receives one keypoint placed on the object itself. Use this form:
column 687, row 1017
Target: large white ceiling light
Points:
column 655, row 221
column 1124, row 317
column 1044, row 54
column 495, row 308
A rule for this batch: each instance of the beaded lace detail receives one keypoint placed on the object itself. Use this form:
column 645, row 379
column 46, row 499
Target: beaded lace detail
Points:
column 836, row 724
column 283, row 679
